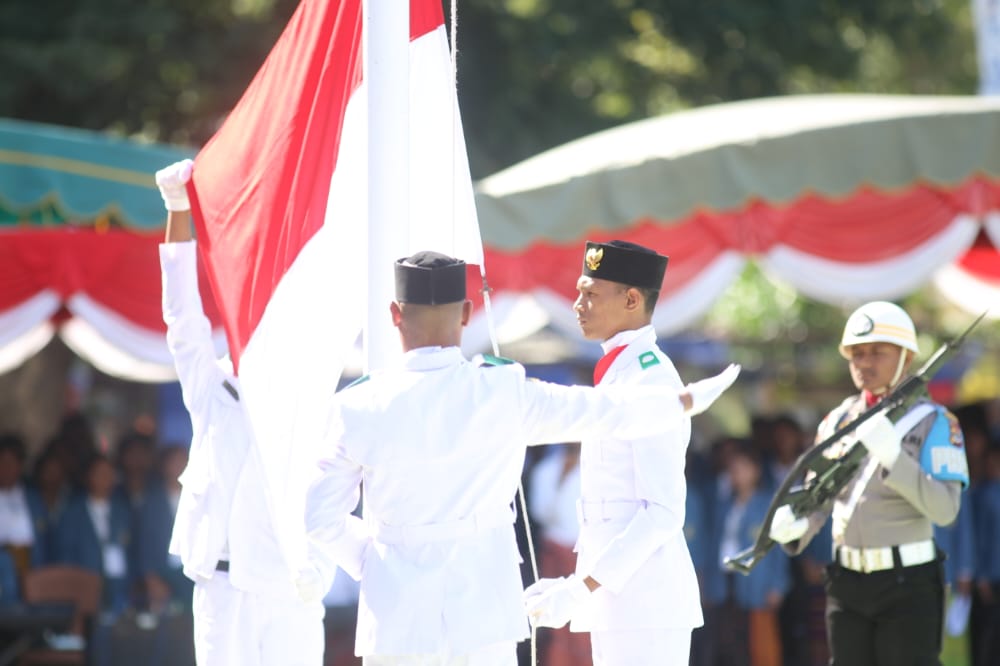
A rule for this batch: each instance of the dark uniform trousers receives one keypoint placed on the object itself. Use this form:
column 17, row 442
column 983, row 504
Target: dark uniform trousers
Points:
column 885, row 618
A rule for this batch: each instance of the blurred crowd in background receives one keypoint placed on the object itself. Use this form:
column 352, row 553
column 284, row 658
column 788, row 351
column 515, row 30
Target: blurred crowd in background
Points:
column 111, row 512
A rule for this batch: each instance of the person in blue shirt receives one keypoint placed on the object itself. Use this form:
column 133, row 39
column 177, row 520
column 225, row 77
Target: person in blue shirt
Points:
column 47, row 495
column 160, row 573
column 9, row 592
column 698, row 533
column 17, row 518
column 786, row 443
column 697, row 529
column 93, row 533
column 986, row 650
column 134, row 460
column 743, row 613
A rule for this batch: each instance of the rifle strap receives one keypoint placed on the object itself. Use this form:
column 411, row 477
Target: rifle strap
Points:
column 842, row 512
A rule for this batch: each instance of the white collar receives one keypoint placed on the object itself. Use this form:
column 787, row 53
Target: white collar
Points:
column 627, row 337
column 431, row 358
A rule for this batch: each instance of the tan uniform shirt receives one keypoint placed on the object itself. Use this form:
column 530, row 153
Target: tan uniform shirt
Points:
column 895, row 506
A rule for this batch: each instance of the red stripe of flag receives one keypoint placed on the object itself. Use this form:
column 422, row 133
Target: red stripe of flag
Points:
column 260, row 186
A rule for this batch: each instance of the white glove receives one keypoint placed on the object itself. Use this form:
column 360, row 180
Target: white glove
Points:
column 786, row 527
column 705, row 392
column 310, row 586
column 881, row 439
column 171, row 181
column 552, row 602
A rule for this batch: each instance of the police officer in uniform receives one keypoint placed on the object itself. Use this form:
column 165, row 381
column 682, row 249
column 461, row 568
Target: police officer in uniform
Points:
column 439, row 444
column 885, row 589
column 646, row 599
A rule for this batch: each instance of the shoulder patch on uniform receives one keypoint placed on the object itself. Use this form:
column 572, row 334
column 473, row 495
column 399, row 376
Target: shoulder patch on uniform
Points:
column 357, row 382
column 942, row 455
column 491, row 361
column 648, row 359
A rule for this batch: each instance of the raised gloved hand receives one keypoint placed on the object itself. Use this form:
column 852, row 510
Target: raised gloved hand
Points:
column 309, row 585
column 552, row 602
column 881, row 439
column 172, row 180
column 706, row 391
column 786, row 526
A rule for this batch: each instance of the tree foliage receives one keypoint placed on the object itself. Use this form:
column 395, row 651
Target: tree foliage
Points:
column 536, row 73
column 161, row 69
column 532, row 73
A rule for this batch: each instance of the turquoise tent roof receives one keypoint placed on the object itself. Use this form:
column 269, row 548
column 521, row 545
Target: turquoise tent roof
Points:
column 59, row 175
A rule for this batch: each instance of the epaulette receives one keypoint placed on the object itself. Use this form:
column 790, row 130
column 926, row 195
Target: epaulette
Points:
column 491, row 361
column 648, row 359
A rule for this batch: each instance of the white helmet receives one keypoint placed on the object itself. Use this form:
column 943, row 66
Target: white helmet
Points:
column 879, row 321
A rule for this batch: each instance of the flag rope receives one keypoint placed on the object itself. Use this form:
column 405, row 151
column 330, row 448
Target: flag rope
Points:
column 522, row 503
column 487, row 303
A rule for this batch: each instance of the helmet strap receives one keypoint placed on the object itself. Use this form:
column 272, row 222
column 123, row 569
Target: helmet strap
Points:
column 895, row 378
column 899, row 369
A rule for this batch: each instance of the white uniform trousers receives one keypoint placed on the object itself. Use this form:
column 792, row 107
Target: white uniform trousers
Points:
column 236, row 627
column 641, row 647
column 497, row 654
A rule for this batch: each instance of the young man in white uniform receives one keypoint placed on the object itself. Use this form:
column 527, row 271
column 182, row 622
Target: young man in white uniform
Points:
column 439, row 444
column 246, row 608
column 631, row 552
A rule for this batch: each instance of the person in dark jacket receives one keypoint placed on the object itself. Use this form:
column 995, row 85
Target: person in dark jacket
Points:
column 93, row 533
column 160, row 573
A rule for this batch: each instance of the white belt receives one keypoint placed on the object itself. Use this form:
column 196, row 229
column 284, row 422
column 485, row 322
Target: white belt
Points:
column 594, row 512
column 445, row 531
column 867, row 560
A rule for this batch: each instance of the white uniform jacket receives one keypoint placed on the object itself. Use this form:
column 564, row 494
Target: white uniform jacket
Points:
column 222, row 513
column 439, row 444
column 631, row 510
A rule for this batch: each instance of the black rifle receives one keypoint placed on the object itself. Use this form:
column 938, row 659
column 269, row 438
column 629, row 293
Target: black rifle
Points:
column 816, row 479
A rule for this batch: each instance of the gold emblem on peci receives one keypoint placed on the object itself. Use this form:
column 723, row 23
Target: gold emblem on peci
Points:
column 594, row 257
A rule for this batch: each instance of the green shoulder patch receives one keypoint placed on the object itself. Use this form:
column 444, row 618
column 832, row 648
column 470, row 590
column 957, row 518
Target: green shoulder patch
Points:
column 492, row 361
column 360, row 380
column 648, row 359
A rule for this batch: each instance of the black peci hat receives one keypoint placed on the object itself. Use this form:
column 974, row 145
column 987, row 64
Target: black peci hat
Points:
column 430, row 278
column 624, row 262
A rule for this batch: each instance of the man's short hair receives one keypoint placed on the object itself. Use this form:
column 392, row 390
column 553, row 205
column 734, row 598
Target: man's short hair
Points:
column 649, row 297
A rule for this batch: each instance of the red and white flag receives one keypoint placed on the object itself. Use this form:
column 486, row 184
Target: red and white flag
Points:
column 279, row 197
